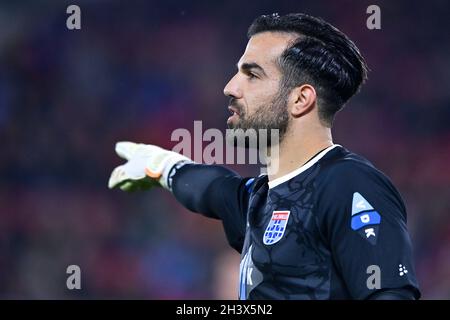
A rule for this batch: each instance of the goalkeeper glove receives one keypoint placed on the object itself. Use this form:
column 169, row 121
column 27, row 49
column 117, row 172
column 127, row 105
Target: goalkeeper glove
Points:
column 147, row 166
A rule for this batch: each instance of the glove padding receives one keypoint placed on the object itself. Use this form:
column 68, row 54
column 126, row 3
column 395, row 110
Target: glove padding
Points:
column 147, row 166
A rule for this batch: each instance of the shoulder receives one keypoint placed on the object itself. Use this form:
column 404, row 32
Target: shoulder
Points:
column 346, row 175
column 345, row 169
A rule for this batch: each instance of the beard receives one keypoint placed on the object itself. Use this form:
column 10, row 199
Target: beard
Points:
column 266, row 118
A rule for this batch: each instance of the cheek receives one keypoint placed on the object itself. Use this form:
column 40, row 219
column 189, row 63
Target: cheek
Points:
column 260, row 95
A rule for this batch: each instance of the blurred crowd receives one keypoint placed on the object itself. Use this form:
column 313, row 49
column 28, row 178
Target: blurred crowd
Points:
column 137, row 71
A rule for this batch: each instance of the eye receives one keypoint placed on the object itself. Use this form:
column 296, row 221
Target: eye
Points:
column 251, row 76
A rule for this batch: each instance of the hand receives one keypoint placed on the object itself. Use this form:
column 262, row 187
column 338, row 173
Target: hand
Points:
column 147, row 166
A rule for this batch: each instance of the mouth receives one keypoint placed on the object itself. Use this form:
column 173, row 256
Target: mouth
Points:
column 233, row 110
column 234, row 115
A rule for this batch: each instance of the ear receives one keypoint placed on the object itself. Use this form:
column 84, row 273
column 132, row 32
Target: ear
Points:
column 302, row 100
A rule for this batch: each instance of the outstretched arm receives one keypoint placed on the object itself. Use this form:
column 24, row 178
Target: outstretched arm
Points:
column 211, row 190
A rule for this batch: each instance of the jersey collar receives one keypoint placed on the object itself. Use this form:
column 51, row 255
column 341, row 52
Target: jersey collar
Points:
column 306, row 166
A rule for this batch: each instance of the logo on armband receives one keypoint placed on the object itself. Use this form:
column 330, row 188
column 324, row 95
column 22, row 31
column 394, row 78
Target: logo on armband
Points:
column 365, row 220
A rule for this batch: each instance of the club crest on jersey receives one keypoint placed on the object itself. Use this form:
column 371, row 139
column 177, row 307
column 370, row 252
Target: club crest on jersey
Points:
column 277, row 225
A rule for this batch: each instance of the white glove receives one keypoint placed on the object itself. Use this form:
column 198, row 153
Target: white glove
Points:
column 147, row 166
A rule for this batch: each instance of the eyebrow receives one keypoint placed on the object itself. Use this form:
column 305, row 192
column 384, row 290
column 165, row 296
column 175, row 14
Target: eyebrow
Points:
column 248, row 66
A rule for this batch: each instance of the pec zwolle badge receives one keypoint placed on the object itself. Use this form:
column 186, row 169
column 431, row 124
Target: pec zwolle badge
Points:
column 277, row 225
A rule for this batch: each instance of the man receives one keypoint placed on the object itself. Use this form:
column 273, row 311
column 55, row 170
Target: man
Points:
column 326, row 224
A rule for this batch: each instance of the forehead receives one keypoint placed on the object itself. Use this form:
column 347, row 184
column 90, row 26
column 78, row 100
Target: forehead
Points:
column 264, row 48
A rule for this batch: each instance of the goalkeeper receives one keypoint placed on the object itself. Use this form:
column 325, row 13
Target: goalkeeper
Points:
column 327, row 224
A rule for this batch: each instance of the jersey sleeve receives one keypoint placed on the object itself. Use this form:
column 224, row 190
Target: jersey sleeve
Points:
column 363, row 219
column 216, row 192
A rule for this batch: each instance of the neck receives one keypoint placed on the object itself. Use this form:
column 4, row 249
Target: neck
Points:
column 297, row 147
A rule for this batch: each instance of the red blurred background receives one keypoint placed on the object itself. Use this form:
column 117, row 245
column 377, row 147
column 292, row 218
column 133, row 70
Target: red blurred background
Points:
column 137, row 71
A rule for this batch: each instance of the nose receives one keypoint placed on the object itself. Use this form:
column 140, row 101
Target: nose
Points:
column 232, row 89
